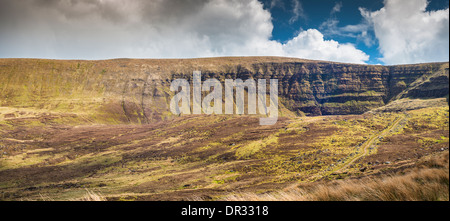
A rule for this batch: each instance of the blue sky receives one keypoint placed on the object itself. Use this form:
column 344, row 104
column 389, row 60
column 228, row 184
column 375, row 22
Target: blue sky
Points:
column 315, row 13
column 353, row 31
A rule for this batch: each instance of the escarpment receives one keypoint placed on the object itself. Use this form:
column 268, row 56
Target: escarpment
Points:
column 138, row 91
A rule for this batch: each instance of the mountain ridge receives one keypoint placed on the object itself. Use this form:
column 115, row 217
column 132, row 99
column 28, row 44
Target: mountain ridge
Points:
column 137, row 90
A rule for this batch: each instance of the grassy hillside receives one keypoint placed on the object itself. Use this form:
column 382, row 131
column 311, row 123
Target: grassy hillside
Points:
column 101, row 130
column 207, row 157
column 137, row 91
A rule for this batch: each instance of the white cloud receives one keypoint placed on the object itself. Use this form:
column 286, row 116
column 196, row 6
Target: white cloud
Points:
column 337, row 8
column 277, row 3
column 407, row 33
column 311, row 44
column 98, row 29
column 359, row 32
column 297, row 10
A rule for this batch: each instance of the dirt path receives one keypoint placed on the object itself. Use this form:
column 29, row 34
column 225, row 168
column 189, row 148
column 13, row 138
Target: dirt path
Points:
column 365, row 150
column 366, row 146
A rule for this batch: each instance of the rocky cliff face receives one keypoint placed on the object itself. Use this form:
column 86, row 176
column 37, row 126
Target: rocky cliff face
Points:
column 321, row 88
column 431, row 82
column 137, row 91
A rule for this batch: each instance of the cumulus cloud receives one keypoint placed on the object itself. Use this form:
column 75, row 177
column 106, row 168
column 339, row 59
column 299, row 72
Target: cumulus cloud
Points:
column 407, row 33
column 99, row 29
column 311, row 44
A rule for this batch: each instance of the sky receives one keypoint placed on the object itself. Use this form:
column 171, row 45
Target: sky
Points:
column 383, row 32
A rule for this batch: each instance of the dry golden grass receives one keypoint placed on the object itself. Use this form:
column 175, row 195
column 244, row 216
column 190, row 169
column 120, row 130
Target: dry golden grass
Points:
column 92, row 196
column 429, row 181
column 88, row 196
